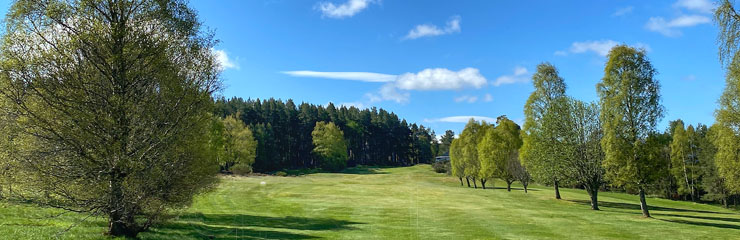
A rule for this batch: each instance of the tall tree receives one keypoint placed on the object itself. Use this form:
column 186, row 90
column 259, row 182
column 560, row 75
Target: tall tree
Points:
column 114, row 98
column 583, row 146
column 630, row 108
column 507, row 147
column 727, row 116
column 541, row 150
column 470, row 137
column 330, row 146
column 456, row 160
column 445, row 141
column 680, row 158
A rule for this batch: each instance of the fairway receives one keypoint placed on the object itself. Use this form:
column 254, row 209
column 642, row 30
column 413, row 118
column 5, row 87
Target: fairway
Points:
column 395, row 203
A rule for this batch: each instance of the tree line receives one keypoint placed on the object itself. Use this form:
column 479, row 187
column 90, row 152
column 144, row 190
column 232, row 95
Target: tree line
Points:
column 283, row 132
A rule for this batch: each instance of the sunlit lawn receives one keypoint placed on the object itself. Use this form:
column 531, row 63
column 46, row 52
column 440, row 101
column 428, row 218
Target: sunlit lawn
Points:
column 394, row 203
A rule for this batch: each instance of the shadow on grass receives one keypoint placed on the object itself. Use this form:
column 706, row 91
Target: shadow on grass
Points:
column 724, row 219
column 707, row 224
column 205, row 226
column 635, row 206
column 363, row 170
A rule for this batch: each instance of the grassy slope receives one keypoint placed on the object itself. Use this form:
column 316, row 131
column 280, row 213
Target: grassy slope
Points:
column 397, row 203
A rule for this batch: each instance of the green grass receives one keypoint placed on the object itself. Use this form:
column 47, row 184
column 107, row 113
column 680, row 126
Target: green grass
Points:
column 395, row 203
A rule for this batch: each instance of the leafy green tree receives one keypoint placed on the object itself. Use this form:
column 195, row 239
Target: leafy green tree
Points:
column 239, row 146
column 630, row 108
column 445, row 142
column 583, row 146
column 330, row 146
column 114, row 98
column 681, row 159
column 727, row 116
column 507, row 144
column 456, row 160
column 541, row 150
column 712, row 182
column 470, row 137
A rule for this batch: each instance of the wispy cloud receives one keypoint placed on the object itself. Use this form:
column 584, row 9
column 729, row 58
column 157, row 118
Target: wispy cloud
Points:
column 520, row 75
column 355, row 76
column 487, row 97
column 702, row 6
column 346, row 9
column 461, row 119
column 466, row 98
column 429, row 30
column 223, row 60
column 623, row 11
column 599, row 47
column 671, row 28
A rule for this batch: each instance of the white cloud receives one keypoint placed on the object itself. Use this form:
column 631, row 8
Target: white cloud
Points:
column 702, row 6
column 347, row 9
column 466, row 98
column 461, row 119
column 487, row 97
column 428, row 30
column 521, row 75
column 223, row 60
column 441, row 79
column 599, row 47
column 358, row 105
column 671, row 28
column 623, row 11
column 356, row 76
column 389, row 92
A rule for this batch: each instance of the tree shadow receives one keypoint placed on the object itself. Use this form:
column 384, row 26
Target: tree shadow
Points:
column 633, row 206
column 717, row 225
column 512, row 189
column 217, row 226
column 363, row 170
column 735, row 220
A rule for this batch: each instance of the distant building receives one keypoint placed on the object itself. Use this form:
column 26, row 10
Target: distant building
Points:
column 442, row 158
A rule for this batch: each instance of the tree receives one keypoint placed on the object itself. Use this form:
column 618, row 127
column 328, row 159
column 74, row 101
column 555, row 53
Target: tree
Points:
column 541, row 150
column 456, row 160
column 727, row 116
column 114, row 98
column 712, row 182
column 681, row 160
column 330, row 146
column 507, row 147
column 583, row 146
column 630, row 108
column 445, row 142
column 239, row 145
column 470, row 138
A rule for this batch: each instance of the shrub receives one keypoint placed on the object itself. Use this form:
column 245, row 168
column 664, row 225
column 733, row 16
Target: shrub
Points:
column 241, row 169
column 281, row 174
column 442, row 167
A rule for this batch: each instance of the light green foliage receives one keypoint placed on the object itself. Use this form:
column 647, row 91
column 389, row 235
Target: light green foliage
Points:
column 469, row 139
column 498, row 148
column 399, row 203
column 727, row 138
column 683, row 158
column 114, row 99
column 630, row 108
column 541, row 151
column 457, row 162
column 582, row 143
column 330, row 146
column 240, row 148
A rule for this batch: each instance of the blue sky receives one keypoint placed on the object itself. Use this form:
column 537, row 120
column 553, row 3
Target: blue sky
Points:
column 435, row 62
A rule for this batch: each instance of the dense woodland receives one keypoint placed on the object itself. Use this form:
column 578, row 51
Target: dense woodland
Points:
column 283, row 133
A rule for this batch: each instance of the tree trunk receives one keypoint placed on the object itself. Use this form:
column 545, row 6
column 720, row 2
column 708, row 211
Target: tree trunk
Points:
column 508, row 186
column 468, row 180
column 525, row 187
column 643, row 204
column 475, row 184
column 461, row 182
column 483, row 183
column 594, row 193
column 557, row 189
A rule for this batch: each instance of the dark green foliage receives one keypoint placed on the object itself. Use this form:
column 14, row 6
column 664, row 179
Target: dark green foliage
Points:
column 283, row 134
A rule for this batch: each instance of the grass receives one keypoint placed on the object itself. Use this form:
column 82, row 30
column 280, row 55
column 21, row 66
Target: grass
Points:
column 395, row 203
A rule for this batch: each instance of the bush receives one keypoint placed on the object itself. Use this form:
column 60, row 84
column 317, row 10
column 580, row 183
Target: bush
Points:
column 241, row 169
column 442, row 167
column 281, row 174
